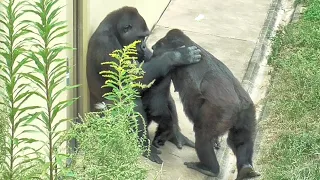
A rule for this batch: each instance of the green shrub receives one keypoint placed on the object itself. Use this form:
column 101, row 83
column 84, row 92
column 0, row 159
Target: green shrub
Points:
column 109, row 147
column 313, row 11
column 291, row 147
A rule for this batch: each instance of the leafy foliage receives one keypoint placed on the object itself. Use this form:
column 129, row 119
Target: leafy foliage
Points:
column 3, row 133
column 109, row 146
column 16, row 93
column 313, row 11
column 291, row 150
column 117, row 146
column 48, row 72
column 123, row 80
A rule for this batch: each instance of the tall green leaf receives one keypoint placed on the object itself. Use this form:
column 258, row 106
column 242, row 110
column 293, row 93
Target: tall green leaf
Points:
column 12, row 59
column 49, row 72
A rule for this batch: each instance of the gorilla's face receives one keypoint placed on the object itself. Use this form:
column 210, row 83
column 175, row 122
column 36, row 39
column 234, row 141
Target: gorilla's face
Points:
column 132, row 27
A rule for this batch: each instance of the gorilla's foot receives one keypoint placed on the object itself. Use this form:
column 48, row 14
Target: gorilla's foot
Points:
column 198, row 167
column 158, row 151
column 180, row 140
column 153, row 156
column 247, row 171
column 217, row 143
column 160, row 138
column 158, row 142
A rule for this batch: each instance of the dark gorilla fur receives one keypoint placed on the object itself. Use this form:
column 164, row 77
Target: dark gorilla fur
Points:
column 160, row 107
column 120, row 28
column 214, row 100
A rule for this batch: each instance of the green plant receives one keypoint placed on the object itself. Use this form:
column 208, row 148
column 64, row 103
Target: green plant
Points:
column 109, row 146
column 15, row 93
column 115, row 136
column 3, row 132
column 290, row 149
column 48, row 73
column 313, row 11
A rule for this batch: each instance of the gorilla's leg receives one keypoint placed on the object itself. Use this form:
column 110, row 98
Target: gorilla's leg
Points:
column 208, row 164
column 172, row 133
column 240, row 140
column 160, row 107
column 142, row 127
column 241, row 144
column 161, row 135
column 177, row 137
column 209, row 124
column 168, row 128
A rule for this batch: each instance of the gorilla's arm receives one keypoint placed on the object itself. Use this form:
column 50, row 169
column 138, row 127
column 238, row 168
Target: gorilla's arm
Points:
column 154, row 68
column 159, row 66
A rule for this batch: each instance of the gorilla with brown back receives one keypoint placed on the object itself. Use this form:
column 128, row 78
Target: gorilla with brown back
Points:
column 120, row 28
column 214, row 100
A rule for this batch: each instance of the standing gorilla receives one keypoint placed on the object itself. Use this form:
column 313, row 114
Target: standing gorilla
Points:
column 121, row 28
column 215, row 102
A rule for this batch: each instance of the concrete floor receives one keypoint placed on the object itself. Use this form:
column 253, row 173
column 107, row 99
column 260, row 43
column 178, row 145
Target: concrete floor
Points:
column 230, row 30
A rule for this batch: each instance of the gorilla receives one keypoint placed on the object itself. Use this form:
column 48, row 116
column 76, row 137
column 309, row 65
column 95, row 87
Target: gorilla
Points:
column 160, row 107
column 214, row 100
column 118, row 29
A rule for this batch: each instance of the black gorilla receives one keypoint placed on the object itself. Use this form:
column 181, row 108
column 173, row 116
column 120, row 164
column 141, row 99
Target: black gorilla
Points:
column 120, row 28
column 160, row 107
column 215, row 102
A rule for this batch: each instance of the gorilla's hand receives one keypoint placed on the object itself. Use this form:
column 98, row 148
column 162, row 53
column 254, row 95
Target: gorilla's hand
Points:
column 186, row 55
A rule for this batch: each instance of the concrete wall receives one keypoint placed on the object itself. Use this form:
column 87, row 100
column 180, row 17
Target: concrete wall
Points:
column 94, row 11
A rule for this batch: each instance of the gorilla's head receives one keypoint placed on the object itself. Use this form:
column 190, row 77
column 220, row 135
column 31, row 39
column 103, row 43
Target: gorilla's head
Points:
column 128, row 26
column 174, row 39
column 131, row 26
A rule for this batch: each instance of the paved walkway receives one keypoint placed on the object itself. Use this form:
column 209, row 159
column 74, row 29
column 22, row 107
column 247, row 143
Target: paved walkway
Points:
column 230, row 30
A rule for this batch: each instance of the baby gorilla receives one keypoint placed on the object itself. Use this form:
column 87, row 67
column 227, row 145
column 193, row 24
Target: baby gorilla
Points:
column 214, row 100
